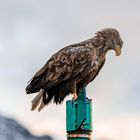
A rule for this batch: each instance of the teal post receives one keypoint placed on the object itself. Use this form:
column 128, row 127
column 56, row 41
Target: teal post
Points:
column 79, row 118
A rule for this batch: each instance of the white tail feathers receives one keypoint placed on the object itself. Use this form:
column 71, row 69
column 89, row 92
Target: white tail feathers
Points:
column 42, row 105
column 37, row 102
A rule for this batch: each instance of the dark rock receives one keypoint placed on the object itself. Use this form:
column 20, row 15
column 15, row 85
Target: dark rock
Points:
column 12, row 130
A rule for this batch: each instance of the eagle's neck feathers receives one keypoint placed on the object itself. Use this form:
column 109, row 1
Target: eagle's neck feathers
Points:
column 99, row 43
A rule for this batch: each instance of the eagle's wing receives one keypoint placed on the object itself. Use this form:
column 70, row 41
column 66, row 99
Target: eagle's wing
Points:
column 65, row 64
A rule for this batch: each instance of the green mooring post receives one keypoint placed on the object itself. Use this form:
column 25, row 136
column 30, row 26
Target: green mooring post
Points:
column 79, row 118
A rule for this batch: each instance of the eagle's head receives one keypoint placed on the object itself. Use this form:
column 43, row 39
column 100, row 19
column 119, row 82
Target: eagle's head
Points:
column 111, row 39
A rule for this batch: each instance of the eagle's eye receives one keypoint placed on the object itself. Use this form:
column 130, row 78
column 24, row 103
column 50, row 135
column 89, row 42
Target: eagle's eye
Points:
column 120, row 43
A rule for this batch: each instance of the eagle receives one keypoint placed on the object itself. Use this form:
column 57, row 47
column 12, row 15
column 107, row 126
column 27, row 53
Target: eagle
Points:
column 72, row 68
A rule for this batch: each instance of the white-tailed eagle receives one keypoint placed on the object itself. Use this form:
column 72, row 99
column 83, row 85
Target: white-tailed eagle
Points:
column 72, row 68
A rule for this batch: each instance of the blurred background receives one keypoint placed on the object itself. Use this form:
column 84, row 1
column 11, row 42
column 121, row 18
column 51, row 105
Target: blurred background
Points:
column 32, row 30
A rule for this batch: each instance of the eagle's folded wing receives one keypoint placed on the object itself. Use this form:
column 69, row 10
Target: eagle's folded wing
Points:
column 66, row 63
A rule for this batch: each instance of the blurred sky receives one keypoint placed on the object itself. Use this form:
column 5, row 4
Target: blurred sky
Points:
column 32, row 30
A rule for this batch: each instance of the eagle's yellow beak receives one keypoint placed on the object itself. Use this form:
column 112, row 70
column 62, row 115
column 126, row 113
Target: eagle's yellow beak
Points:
column 118, row 50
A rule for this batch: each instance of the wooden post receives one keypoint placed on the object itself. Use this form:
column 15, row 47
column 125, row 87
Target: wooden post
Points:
column 79, row 118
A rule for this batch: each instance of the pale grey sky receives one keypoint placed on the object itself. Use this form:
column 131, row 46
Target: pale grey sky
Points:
column 32, row 30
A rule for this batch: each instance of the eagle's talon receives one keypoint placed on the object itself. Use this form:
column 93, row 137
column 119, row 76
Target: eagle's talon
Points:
column 75, row 96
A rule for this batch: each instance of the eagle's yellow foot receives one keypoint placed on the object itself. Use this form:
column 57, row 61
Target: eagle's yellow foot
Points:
column 75, row 96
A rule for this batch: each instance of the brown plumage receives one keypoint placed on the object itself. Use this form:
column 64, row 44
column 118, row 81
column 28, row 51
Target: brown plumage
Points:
column 72, row 68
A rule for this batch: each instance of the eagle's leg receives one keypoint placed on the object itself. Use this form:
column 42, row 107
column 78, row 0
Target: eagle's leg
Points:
column 74, row 91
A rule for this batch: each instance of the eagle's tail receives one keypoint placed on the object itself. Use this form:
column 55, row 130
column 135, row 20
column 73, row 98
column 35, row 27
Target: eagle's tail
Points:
column 37, row 102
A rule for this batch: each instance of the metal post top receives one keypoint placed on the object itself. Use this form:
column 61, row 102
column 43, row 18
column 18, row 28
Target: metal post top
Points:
column 79, row 114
